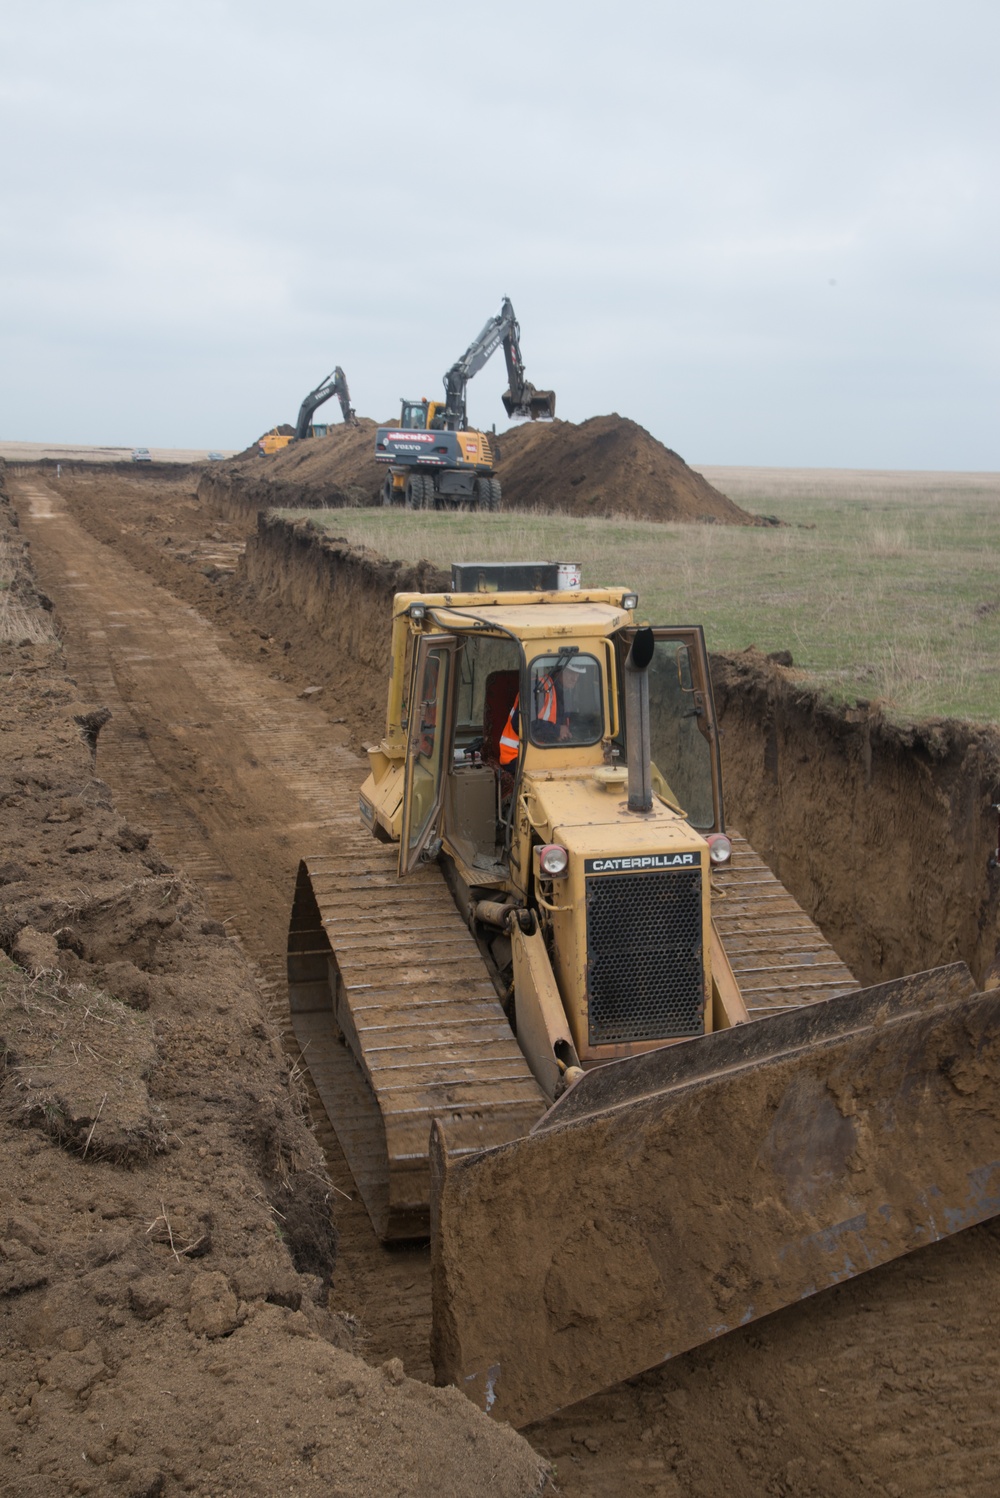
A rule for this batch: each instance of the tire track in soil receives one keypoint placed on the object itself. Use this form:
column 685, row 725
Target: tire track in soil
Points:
column 236, row 779
column 887, row 1384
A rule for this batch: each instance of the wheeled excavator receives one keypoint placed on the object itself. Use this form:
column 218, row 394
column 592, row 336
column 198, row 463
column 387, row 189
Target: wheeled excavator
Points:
column 434, row 461
column 570, row 1025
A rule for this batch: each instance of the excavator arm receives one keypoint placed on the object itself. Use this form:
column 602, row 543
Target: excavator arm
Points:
column 521, row 398
column 334, row 384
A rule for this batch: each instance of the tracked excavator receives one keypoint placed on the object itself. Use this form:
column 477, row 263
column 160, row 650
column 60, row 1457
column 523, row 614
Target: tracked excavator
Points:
column 433, row 460
column 570, row 1025
column 334, row 384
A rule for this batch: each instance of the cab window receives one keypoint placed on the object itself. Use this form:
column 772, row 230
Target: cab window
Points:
column 566, row 700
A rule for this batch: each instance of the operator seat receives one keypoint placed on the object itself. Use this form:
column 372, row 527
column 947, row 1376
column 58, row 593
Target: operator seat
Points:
column 501, row 689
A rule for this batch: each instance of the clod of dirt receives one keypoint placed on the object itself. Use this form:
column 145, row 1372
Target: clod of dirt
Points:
column 91, row 725
column 214, row 1307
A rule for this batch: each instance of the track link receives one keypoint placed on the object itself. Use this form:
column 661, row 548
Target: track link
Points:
column 779, row 957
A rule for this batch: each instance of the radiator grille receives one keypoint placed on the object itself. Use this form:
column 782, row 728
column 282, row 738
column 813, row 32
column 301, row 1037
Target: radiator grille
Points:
column 644, row 943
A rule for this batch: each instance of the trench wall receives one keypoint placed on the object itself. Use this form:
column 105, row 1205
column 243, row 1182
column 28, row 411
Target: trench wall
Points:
column 883, row 832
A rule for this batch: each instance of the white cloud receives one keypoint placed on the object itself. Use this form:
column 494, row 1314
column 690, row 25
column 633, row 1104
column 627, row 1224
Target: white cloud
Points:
column 768, row 233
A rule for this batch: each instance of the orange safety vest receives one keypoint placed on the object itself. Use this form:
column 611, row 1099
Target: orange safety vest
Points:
column 510, row 741
column 545, row 695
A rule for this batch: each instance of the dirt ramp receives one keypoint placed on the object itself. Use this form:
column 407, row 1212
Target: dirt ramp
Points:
column 607, row 465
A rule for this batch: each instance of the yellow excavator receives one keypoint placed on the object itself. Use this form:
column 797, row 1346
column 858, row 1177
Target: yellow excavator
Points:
column 572, row 1027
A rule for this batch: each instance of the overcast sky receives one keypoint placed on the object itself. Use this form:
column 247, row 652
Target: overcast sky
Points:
column 767, row 230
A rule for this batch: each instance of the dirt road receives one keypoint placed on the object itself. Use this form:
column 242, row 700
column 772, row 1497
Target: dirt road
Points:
column 887, row 1384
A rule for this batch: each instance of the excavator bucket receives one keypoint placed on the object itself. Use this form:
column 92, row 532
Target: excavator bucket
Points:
column 539, row 405
column 667, row 1199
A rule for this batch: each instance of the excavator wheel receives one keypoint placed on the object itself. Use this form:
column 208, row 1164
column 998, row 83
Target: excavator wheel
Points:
column 416, row 494
column 387, row 491
column 496, row 495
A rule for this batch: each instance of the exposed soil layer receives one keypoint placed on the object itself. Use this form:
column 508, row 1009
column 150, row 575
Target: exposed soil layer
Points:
column 886, row 1384
column 605, row 466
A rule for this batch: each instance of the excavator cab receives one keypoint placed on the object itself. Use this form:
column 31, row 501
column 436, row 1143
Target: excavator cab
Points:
column 413, row 416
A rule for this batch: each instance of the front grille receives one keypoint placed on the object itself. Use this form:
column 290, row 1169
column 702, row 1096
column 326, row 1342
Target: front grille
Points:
column 644, row 956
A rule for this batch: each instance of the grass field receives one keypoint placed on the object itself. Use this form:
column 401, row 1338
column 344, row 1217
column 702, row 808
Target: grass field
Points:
column 882, row 585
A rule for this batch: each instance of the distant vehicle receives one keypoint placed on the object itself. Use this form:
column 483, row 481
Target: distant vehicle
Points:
column 141, row 455
column 273, row 441
column 216, row 457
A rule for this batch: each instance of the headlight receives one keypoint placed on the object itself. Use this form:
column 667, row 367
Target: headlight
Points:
column 630, row 601
column 720, row 849
column 553, row 860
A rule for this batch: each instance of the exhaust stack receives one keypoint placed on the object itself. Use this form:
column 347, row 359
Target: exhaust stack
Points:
column 640, row 781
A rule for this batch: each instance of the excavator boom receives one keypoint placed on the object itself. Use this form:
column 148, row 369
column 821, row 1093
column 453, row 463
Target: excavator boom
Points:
column 521, row 398
column 334, row 384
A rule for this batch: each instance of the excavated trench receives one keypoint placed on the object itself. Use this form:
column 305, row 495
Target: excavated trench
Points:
column 883, row 833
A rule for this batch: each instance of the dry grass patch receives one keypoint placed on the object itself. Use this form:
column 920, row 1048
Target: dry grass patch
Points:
column 75, row 1063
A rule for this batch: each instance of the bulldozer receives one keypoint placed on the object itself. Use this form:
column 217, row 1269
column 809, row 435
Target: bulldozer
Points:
column 570, row 1025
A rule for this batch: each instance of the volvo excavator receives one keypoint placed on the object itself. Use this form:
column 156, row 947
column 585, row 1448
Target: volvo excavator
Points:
column 334, row 384
column 434, row 461
column 568, row 1023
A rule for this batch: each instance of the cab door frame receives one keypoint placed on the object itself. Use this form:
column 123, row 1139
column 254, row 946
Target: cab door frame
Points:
column 693, row 637
column 436, row 715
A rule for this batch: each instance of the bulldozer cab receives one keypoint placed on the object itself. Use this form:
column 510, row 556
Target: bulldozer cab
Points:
column 463, row 687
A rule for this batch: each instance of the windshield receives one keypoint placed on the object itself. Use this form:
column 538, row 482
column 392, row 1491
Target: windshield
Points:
column 414, row 416
column 681, row 754
column 566, row 700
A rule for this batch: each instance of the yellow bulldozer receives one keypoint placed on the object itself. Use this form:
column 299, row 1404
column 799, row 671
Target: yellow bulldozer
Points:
column 570, row 1026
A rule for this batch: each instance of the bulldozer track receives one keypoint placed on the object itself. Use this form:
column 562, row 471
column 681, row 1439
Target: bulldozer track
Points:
column 780, row 957
column 390, row 966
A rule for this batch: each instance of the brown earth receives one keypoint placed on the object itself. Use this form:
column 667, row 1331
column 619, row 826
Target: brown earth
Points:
column 886, row 1384
column 607, row 465
column 166, row 1233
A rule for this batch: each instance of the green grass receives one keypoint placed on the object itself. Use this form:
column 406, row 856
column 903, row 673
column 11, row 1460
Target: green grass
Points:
column 883, row 586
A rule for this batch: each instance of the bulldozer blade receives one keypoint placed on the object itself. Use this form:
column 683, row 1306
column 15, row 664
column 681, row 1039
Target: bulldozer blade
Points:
column 669, row 1198
column 538, row 405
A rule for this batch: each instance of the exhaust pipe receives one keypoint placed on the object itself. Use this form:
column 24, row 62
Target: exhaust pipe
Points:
column 640, row 780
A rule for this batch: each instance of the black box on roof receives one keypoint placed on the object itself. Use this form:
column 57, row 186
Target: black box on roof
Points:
column 514, row 577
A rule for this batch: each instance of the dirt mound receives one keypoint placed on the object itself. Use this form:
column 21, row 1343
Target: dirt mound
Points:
column 319, row 472
column 607, row 465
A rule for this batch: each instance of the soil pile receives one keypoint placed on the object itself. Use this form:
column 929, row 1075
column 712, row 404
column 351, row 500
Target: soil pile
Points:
column 166, row 1242
column 321, row 472
column 607, row 465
